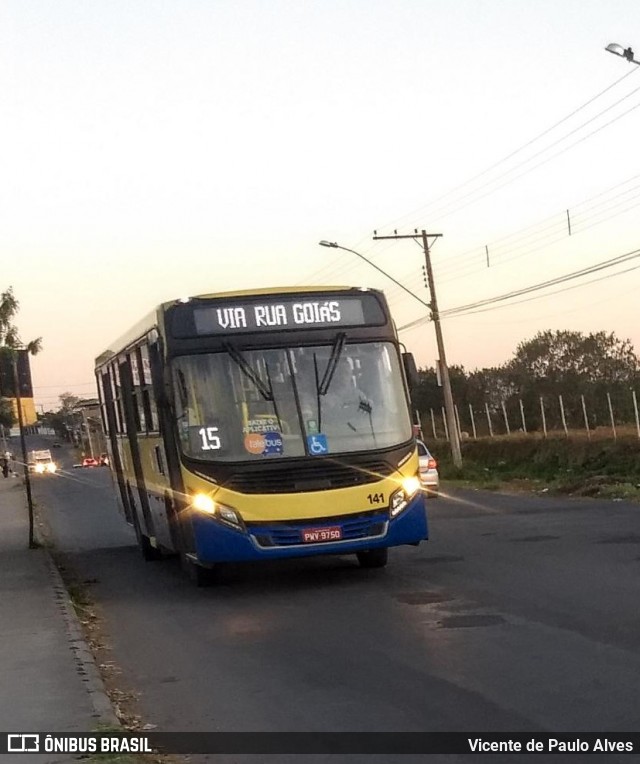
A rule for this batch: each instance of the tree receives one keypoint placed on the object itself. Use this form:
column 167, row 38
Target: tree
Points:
column 7, row 417
column 572, row 364
column 10, row 343
column 68, row 403
column 565, row 356
column 9, row 337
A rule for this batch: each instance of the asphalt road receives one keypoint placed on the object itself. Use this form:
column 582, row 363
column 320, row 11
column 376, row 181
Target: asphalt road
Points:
column 521, row 614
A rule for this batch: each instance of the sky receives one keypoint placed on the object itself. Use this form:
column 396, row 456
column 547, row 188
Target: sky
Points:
column 154, row 150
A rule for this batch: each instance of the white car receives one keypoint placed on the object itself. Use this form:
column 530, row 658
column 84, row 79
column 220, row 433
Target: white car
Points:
column 429, row 477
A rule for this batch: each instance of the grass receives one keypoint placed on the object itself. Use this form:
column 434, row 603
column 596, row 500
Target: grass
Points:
column 577, row 465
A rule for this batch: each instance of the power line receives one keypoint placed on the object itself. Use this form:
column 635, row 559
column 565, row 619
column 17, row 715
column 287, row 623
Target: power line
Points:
column 542, row 285
column 421, row 210
column 337, row 266
column 63, row 384
column 424, row 319
column 579, row 220
column 549, row 294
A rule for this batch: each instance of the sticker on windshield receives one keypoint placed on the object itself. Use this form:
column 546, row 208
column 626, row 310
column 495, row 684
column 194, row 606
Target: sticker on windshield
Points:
column 273, row 443
column 202, row 439
column 317, row 444
column 261, row 423
column 267, row 443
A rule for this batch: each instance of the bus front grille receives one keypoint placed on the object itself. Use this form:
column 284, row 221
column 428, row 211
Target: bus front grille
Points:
column 324, row 475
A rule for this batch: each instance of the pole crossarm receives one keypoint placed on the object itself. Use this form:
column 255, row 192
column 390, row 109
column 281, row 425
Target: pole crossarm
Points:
column 414, row 236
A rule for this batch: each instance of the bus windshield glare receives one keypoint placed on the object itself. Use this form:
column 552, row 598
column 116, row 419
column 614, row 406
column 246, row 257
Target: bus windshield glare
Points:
column 275, row 403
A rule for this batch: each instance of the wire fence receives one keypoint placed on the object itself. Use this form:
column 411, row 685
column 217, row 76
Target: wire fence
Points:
column 607, row 414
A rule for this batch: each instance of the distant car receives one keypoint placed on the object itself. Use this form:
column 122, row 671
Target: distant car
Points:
column 90, row 462
column 56, row 444
column 429, row 477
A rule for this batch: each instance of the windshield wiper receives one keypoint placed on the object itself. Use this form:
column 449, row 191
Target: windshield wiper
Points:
column 266, row 391
column 323, row 386
column 336, row 352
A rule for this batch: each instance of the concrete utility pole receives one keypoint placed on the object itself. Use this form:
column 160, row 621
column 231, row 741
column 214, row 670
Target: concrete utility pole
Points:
column 23, row 446
column 450, row 413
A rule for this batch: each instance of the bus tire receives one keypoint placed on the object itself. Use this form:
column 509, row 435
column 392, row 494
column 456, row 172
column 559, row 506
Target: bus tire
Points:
column 201, row 576
column 373, row 558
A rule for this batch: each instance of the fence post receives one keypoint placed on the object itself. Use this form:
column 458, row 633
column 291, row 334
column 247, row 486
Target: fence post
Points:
column 473, row 423
column 635, row 408
column 506, row 418
column 613, row 424
column 455, row 409
column 564, row 421
column 544, row 418
column 524, row 424
column 444, row 422
column 486, row 408
column 586, row 418
column 433, row 425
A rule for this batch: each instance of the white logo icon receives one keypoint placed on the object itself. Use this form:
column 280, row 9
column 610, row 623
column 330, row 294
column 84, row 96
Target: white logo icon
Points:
column 23, row 743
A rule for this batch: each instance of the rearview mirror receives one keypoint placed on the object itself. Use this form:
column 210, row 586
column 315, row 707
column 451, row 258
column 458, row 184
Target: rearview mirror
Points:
column 410, row 370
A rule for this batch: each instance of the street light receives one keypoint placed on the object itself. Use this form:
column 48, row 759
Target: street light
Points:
column 619, row 50
column 333, row 244
column 454, row 439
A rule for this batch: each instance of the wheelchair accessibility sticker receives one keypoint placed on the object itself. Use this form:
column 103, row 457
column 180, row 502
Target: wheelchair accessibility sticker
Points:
column 317, row 444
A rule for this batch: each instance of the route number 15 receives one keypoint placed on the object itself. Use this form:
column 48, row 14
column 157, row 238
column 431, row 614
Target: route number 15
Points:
column 210, row 441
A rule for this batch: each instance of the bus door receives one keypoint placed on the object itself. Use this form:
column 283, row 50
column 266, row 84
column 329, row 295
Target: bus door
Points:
column 179, row 525
column 126, row 379
column 112, row 427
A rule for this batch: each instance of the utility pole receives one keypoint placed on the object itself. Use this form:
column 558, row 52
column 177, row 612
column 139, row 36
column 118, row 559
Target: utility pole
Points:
column 23, row 445
column 87, row 427
column 452, row 426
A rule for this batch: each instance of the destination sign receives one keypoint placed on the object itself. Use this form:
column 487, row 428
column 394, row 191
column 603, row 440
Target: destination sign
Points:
column 284, row 312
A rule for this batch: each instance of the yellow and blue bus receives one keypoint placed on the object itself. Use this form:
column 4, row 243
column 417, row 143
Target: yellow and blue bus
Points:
column 264, row 424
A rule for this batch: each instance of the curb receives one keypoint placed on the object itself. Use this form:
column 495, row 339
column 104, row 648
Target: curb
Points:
column 85, row 662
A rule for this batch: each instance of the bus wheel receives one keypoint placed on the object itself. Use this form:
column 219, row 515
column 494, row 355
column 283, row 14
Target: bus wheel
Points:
column 200, row 575
column 373, row 558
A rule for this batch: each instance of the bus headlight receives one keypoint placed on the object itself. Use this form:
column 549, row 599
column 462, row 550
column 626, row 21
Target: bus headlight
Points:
column 400, row 499
column 51, row 467
column 411, row 486
column 40, row 468
column 204, row 503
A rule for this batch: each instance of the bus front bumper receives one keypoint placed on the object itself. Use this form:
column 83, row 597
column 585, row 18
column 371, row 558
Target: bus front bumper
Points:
column 217, row 542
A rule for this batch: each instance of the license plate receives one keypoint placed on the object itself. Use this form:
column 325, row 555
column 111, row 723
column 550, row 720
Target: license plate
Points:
column 318, row 535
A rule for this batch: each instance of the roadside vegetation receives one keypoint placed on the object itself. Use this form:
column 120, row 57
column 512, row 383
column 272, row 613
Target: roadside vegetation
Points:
column 561, row 416
column 596, row 466
column 558, row 380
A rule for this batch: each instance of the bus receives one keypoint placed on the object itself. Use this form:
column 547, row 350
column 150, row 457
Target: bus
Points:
column 264, row 424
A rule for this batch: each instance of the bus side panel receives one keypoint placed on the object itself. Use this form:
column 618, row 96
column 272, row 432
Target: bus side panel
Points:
column 158, row 489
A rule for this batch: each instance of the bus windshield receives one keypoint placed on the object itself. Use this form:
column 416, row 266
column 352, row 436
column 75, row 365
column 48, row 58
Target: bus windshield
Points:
column 246, row 405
